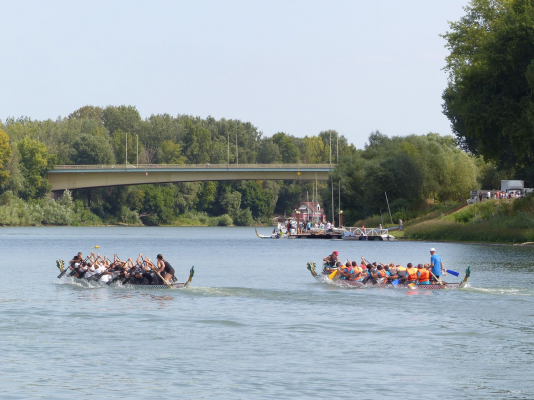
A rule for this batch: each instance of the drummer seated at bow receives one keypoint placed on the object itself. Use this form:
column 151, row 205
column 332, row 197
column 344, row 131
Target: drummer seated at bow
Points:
column 331, row 261
column 75, row 263
column 423, row 275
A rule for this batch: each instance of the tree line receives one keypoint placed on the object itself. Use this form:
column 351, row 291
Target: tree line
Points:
column 410, row 169
column 96, row 135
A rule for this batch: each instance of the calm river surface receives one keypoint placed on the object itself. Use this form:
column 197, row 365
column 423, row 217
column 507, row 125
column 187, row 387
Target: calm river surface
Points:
column 255, row 324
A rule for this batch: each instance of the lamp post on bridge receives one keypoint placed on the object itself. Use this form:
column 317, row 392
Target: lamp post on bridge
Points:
column 126, row 156
column 137, row 138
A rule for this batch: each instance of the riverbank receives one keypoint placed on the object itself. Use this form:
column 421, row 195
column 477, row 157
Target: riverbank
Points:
column 493, row 221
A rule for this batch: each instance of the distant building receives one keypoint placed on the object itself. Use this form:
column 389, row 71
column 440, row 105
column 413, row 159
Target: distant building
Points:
column 310, row 211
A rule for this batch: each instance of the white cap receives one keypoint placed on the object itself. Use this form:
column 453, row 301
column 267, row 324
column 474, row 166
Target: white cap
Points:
column 432, row 249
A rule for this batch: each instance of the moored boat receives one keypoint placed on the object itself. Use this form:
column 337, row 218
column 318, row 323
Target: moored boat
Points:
column 278, row 235
column 323, row 278
column 172, row 285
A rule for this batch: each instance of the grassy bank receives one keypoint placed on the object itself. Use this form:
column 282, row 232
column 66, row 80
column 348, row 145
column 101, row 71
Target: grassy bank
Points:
column 495, row 221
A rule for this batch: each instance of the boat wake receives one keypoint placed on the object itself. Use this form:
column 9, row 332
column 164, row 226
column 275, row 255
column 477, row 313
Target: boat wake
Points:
column 504, row 291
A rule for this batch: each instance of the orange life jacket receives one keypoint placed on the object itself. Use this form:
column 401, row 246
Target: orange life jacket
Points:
column 382, row 273
column 424, row 275
column 412, row 274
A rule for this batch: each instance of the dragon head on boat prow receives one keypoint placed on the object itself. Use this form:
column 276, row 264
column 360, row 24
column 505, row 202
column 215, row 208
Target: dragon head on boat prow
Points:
column 311, row 267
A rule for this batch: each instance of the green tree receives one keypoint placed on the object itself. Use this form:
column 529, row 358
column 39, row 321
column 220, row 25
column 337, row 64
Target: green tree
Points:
column 269, row 152
column 5, row 155
column 171, row 153
column 489, row 98
column 126, row 118
column 230, row 203
column 197, row 142
column 89, row 149
column 288, row 148
column 88, row 112
column 118, row 139
column 35, row 162
column 158, row 202
column 207, row 196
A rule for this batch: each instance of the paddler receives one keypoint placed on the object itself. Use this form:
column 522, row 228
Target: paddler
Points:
column 382, row 274
column 164, row 268
column 411, row 273
column 372, row 274
column 401, row 273
column 423, row 275
column 346, row 271
column 436, row 265
column 358, row 272
column 392, row 273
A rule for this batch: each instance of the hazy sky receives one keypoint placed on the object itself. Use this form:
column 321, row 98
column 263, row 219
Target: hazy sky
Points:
column 294, row 66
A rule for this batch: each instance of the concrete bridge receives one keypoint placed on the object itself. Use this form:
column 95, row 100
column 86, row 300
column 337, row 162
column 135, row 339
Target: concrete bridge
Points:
column 94, row 176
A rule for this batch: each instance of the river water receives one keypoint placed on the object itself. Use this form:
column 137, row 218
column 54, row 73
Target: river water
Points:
column 256, row 324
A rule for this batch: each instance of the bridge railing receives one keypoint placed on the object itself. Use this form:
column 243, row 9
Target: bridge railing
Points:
column 190, row 166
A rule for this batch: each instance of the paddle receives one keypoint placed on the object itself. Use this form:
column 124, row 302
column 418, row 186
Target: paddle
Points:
column 450, row 271
column 158, row 274
column 436, row 278
column 333, row 275
column 118, row 274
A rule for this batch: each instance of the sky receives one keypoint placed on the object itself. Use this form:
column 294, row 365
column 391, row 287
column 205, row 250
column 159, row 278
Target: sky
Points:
column 299, row 67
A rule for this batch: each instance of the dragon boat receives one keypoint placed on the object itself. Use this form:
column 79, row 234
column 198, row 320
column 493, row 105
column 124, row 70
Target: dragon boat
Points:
column 323, row 278
column 172, row 285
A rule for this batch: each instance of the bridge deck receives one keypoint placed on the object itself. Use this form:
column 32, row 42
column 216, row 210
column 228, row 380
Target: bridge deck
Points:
column 90, row 176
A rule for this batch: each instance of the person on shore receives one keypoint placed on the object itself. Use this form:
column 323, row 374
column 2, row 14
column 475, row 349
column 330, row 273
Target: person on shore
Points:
column 164, row 268
column 480, row 197
column 436, row 265
column 400, row 225
column 423, row 275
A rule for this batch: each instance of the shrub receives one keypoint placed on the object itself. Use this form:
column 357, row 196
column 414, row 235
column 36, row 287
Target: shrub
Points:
column 224, row 220
column 244, row 218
